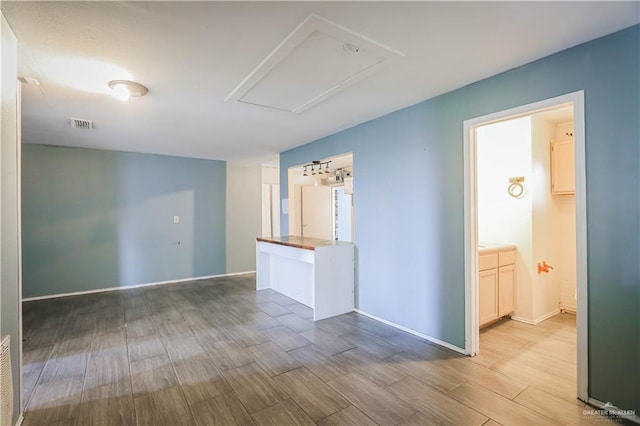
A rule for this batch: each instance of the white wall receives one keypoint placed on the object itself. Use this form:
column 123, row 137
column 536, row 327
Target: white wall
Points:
column 270, row 201
column 546, row 286
column 270, row 175
column 244, row 215
column 10, row 307
column 503, row 151
column 565, row 243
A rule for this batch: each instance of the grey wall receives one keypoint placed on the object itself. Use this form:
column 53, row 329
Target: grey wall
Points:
column 409, row 220
column 98, row 219
column 244, row 215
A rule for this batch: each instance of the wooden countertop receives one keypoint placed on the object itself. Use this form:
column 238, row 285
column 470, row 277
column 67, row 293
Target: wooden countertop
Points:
column 301, row 242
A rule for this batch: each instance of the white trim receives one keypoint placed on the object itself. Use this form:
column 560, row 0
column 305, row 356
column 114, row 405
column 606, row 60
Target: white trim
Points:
column 415, row 333
column 537, row 320
column 582, row 302
column 20, row 419
column 568, row 309
column 315, row 23
column 102, row 290
column 472, row 326
column 524, row 320
column 599, row 404
column 19, row 231
column 472, row 336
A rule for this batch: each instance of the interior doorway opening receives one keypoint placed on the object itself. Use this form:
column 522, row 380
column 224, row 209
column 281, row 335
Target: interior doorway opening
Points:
column 525, row 234
column 321, row 199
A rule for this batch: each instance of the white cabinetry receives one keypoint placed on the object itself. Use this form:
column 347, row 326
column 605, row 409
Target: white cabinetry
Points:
column 488, row 296
column 563, row 167
column 317, row 273
column 496, row 284
column 348, row 185
column 506, row 292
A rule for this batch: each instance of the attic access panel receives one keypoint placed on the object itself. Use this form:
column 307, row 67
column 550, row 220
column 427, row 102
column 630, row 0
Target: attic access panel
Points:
column 318, row 59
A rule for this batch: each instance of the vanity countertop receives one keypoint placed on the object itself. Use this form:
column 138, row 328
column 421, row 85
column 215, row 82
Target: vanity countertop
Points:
column 305, row 243
column 494, row 247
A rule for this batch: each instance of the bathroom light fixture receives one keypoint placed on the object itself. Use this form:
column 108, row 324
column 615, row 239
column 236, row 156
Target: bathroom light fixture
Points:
column 124, row 89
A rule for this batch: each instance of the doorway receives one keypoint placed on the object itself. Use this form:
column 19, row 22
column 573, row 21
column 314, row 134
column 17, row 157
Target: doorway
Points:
column 517, row 182
column 320, row 203
column 342, row 214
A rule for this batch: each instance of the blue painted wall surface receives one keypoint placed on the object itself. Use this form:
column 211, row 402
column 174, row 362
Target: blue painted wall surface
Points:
column 408, row 202
column 97, row 219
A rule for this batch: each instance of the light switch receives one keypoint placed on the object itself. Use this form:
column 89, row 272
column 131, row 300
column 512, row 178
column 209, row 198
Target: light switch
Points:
column 176, row 219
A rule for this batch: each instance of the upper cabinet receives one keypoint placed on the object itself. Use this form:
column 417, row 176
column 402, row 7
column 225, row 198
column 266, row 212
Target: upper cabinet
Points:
column 563, row 161
column 348, row 185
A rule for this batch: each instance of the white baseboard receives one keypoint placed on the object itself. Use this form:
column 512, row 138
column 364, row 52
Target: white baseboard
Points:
column 415, row 333
column 611, row 410
column 128, row 287
column 524, row 320
column 568, row 308
column 537, row 320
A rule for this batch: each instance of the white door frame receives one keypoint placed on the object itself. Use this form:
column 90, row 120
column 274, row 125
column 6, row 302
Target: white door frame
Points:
column 472, row 335
column 19, row 224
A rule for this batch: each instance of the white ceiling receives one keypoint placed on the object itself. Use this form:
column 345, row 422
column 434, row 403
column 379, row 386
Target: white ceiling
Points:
column 191, row 56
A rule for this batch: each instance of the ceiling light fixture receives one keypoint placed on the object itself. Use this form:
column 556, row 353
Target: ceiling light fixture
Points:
column 124, row 89
column 319, row 165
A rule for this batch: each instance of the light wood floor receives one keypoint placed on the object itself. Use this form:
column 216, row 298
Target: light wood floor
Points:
column 217, row 352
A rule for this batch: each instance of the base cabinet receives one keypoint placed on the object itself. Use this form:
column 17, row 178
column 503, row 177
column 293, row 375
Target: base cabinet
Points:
column 496, row 285
column 488, row 296
column 506, row 293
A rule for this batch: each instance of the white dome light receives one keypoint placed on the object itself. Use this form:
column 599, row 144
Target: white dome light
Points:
column 124, row 89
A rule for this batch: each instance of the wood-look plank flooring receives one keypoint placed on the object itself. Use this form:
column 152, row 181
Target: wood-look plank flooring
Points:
column 217, row 352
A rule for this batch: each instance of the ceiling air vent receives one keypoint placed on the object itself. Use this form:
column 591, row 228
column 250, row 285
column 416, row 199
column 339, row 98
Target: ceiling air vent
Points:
column 79, row 123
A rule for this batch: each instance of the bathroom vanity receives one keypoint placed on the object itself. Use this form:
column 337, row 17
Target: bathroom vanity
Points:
column 496, row 282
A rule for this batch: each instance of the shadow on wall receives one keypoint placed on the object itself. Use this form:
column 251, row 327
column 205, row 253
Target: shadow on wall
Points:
column 100, row 219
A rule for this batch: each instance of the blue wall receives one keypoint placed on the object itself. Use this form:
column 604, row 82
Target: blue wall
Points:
column 97, row 219
column 409, row 203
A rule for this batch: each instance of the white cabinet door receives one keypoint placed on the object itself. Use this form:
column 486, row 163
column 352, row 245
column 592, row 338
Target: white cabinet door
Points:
column 348, row 185
column 506, row 290
column 487, row 296
column 316, row 212
column 563, row 167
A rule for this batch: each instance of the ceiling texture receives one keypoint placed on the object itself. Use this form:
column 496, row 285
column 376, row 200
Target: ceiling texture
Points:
column 361, row 61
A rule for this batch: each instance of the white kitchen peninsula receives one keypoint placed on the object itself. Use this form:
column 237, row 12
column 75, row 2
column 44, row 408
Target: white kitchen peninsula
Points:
column 317, row 273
